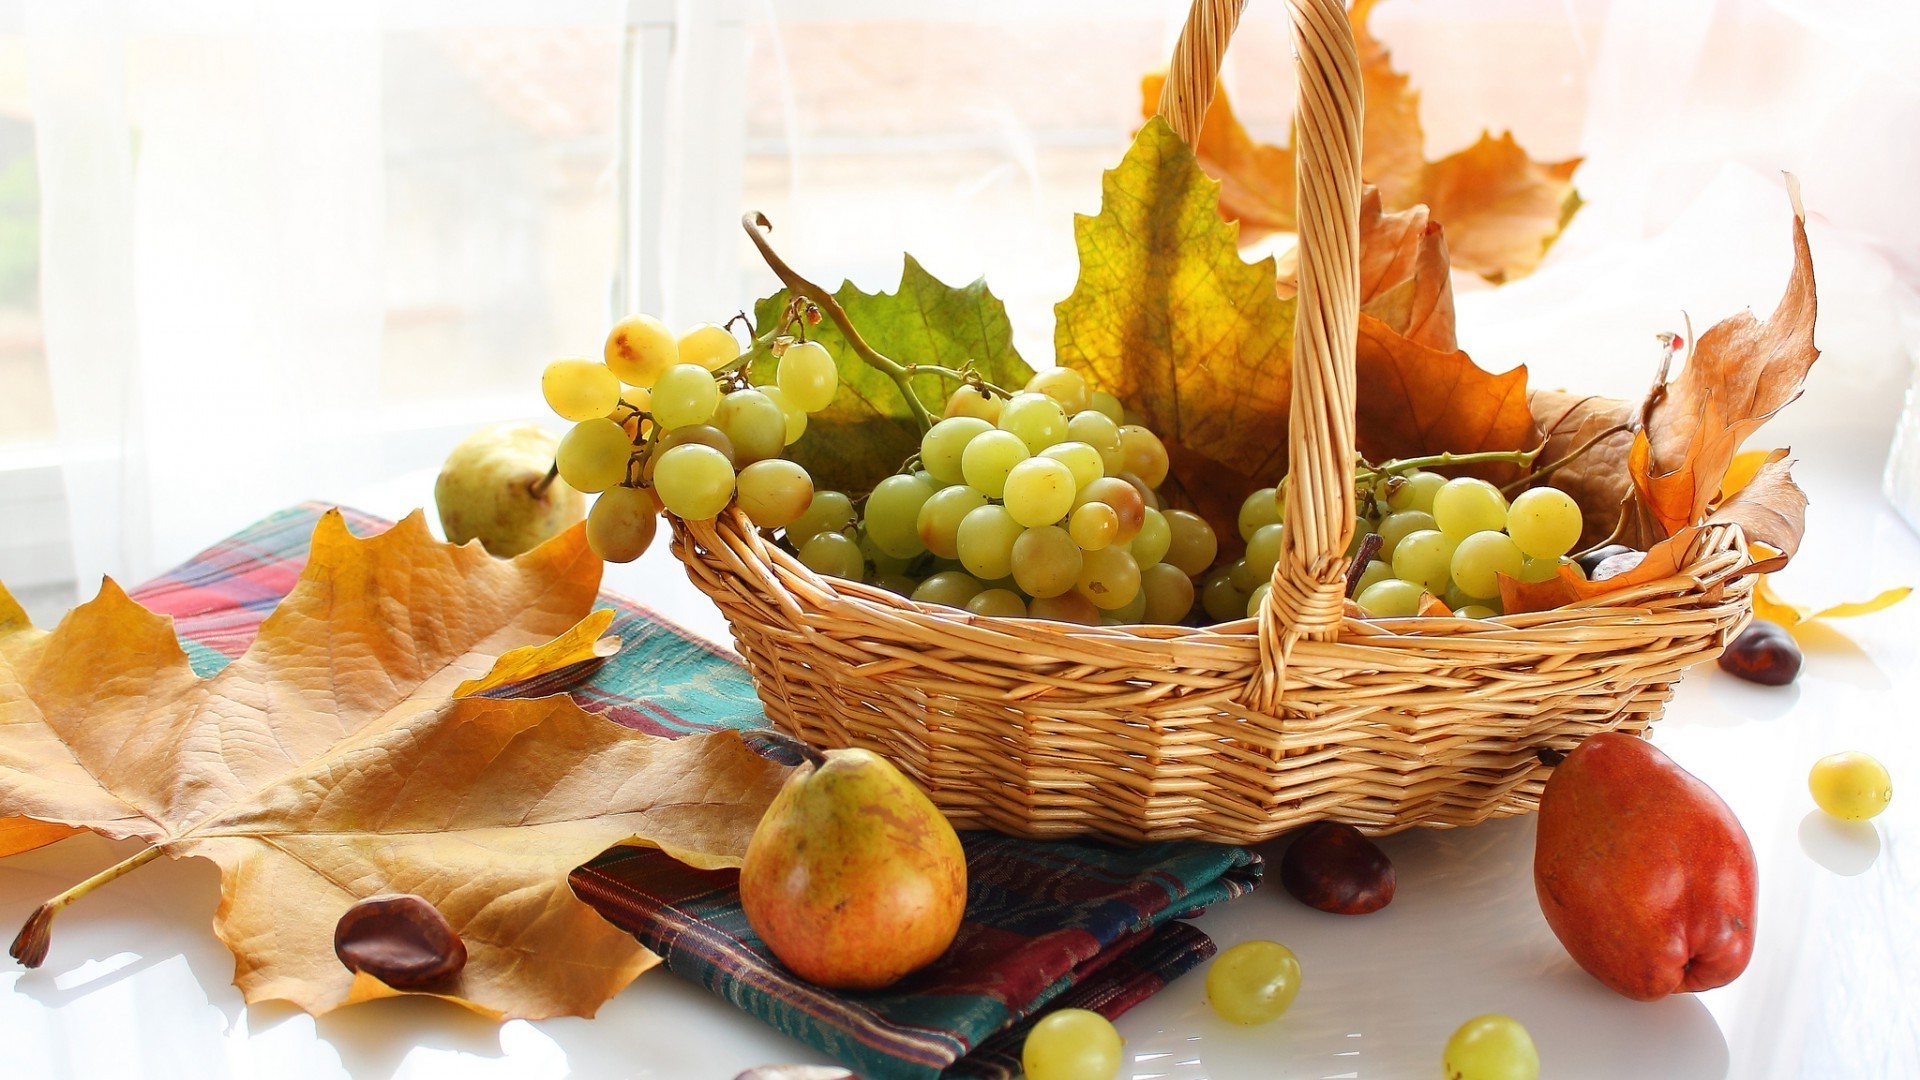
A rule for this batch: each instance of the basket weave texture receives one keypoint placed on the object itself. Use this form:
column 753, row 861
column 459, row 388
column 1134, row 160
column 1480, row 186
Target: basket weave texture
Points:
column 1241, row 731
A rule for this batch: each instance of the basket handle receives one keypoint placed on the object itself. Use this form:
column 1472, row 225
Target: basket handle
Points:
column 1309, row 581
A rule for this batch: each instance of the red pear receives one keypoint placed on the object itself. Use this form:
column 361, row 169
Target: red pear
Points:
column 1643, row 872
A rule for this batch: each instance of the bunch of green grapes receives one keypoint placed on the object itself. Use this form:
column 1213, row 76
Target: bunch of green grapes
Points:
column 672, row 423
column 1038, row 504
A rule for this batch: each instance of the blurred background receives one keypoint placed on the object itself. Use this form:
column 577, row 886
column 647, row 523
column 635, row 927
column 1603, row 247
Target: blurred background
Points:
column 255, row 253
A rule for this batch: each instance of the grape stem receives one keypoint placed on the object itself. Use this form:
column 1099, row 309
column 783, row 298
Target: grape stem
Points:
column 757, row 226
column 538, row 488
column 1367, row 474
column 971, row 378
column 1562, row 462
column 1369, row 547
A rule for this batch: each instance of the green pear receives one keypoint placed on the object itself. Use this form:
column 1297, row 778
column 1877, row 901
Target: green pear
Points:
column 494, row 488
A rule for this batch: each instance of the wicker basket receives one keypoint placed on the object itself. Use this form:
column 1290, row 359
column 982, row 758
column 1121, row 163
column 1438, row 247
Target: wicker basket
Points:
column 1241, row 731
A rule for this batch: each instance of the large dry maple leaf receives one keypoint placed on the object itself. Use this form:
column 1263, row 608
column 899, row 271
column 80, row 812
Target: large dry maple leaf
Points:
column 343, row 756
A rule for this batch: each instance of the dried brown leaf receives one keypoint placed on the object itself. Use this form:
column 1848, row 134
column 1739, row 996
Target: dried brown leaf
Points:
column 1414, row 400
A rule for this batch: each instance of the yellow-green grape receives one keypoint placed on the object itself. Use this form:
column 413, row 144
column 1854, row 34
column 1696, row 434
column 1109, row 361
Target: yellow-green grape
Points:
column 1257, row 598
column 712, row 347
column 796, row 416
column 704, row 434
column 1851, row 786
column 1191, row 545
column 880, row 561
column 1244, row 578
column 1476, row 611
column 1253, row 982
column 899, row 584
column 1263, row 551
column 755, row 424
column 1003, row 603
column 988, row 458
column 1537, row 570
column 1150, row 544
column 1036, row 419
column 1465, row 506
column 940, row 516
column 1131, row 613
column 1425, row 558
column 1480, row 560
column 1099, row 431
column 580, row 389
column 1491, row 1047
column 830, row 511
column 1068, row 607
column 694, row 481
column 1398, row 526
column 593, row 456
column 1108, row 406
column 621, row 525
column 973, row 401
column 639, row 348
column 944, row 443
column 835, row 555
column 1071, row 1044
column 685, row 394
column 892, row 516
column 1390, row 599
column 1146, row 454
column 1046, row 561
column 807, row 374
column 1083, row 459
column 1375, row 572
column 1122, row 498
column 1039, row 491
column 1456, row 597
column 1258, row 511
column 1416, row 492
column 1169, row 593
column 1064, row 385
column 1545, row 522
column 950, row 587
column 1221, row 601
column 1108, row 577
column 774, row 492
column 638, row 397
column 985, row 542
column 1093, row 525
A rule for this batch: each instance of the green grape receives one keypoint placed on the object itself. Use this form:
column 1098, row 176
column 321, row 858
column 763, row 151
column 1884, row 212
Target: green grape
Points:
column 580, row 389
column 1480, row 560
column 1545, row 522
column 1259, row 510
column 1263, row 551
column 985, row 542
column 1003, row 603
column 593, row 456
column 988, row 458
column 1465, row 506
column 807, row 374
column 694, row 481
column 1376, row 571
column 892, row 516
column 1046, row 561
column 1108, row 406
column 1390, row 599
column 972, row 401
column 1221, row 601
column 1169, row 593
column 1417, row 492
column 1068, row 607
column 796, row 416
column 1146, row 454
column 835, row 555
column 1108, row 577
column 1191, row 546
column 704, row 434
column 1093, row 525
column 1425, row 558
column 1257, row 598
column 1851, row 786
column 1253, row 982
column 1148, row 497
column 950, row 587
column 1456, row 597
column 1084, row 460
column 1098, row 431
column 830, row 511
column 1064, row 385
column 1123, row 498
column 1476, row 611
column 1537, row 570
column 1150, row 546
column 755, row 424
column 774, row 492
column 882, row 562
column 685, row 394
column 621, row 525
column 1243, row 577
column 1036, row 419
column 1039, row 491
column 940, row 516
column 896, row 583
column 712, row 347
column 1133, row 612
column 1398, row 526
column 941, row 447
column 1491, row 1047
column 639, row 348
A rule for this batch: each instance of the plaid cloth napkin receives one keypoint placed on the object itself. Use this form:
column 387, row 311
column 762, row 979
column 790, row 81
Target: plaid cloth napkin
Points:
column 1047, row 925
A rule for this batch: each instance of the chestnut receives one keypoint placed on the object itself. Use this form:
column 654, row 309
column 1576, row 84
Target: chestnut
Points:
column 400, row 939
column 1763, row 653
column 1334, row 868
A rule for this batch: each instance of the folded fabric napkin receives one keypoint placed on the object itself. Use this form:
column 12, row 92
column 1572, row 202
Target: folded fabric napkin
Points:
column 1048, row 925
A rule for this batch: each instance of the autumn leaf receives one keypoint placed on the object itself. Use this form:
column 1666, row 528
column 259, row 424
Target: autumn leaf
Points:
column 1502, row 210
column 1771, row 511
column 1666, row 559
column 1403, row 273
column 1769, row 604
column 868, row 430
column 332, row 761
column 1597, row 479
column 1413, row 400
column 20, row 643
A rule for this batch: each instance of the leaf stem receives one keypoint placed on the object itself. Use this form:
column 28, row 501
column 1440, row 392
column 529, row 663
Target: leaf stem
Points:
column 971, row 378
column 757, row 225
column 1550, row 467
column 30, row 946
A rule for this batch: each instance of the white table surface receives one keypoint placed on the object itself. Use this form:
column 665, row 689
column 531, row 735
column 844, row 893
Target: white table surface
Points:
column 137, row 986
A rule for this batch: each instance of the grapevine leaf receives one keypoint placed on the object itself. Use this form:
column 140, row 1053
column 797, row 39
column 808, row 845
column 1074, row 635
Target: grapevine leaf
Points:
column 1771, row 510
column 1414, row 400
column 1769, row 604
column 1502, row 209
column 1597, row 479
column 1663, row 560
